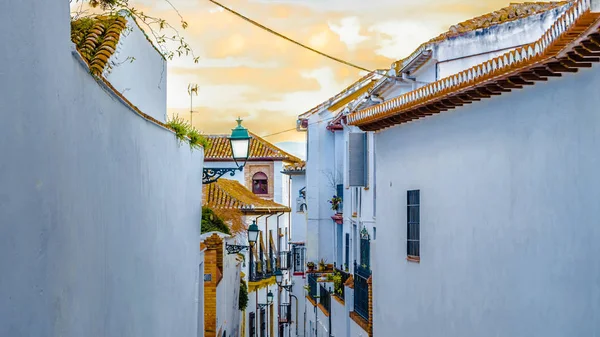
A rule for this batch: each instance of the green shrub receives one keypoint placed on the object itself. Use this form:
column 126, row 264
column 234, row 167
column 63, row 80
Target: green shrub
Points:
column 243, row 300
column 212, row 223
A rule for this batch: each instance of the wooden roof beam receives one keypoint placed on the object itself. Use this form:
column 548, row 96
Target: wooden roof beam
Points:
column 496, row 88
column 519, row 80
column 573, row 64
column 560, row 68
column 579, row 58
column 531, row 76
column 591, row 45
column 544, row 71
column 508, row 85
column 585, row 52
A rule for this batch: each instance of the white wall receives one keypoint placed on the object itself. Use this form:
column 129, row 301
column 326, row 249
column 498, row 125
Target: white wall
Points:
column 99, row 208
column 509, row 222
column 143, row 79
column 228, row 313
column 320, row 161
column 458, row 53
column 298, row 218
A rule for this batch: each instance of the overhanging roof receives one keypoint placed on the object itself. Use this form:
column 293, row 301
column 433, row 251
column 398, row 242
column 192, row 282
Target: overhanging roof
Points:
column 572, row 42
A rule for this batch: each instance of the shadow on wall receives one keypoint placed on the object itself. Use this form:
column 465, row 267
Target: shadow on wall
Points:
column 100, row 208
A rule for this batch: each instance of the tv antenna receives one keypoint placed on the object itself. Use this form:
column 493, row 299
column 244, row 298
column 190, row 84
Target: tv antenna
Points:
column 192, row 89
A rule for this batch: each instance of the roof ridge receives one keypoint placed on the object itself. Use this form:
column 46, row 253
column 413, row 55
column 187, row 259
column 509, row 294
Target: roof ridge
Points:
column 455, row 31
column 295, row 159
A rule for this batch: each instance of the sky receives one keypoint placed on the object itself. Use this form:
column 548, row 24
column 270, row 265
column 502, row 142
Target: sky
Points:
column 267, row 81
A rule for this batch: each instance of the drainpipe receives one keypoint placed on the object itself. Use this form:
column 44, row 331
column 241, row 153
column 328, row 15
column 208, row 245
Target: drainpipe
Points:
column 290, row 206
column 251, row 266
column 278, row 252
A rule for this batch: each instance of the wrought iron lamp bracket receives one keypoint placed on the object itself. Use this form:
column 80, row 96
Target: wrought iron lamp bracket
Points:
column 210, row 175
column 234, row 249
column 262, row 305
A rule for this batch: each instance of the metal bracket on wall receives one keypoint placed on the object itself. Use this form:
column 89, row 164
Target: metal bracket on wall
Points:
column 234, row 249
column 210, row 175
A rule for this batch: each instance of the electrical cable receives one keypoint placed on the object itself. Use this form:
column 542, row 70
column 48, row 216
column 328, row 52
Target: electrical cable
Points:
column 289, row 39
column 288, row 130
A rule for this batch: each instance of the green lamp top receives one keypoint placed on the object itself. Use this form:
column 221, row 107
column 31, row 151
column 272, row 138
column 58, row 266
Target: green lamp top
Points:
column 239, row 132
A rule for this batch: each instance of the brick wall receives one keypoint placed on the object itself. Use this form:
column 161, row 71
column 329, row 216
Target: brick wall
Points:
column 266, row 168
column 213, row 265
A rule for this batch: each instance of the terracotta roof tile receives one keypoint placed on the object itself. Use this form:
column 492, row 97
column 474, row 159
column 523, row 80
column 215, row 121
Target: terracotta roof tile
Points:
column 260, row 149
column 230, row 194
column 96, row 39
column 298, row 167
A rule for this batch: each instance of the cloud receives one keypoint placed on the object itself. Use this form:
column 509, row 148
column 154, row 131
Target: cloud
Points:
column 349, row 31
column 246, row 71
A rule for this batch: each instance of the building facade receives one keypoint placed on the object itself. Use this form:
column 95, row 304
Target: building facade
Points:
column 261, row 193
column 99, row 204
column 480, row 167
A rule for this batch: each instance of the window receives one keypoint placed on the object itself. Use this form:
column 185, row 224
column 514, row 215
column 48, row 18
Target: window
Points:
column 263, row 323
column 347, row 259
column 413, row 223
column 298, row 259
column 260, row 183
column 252, row 322
column 357, row 159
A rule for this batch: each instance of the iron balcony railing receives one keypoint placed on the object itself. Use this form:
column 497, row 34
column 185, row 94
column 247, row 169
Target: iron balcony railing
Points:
column 285, row 260
column 361, row 290
column 339, row 287
column 312, row 285
column 325, row 298
column 285, row 313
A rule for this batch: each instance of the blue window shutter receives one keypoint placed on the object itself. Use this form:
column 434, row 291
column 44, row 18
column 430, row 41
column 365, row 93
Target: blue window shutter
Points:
column 340, row 191
column 357, row 158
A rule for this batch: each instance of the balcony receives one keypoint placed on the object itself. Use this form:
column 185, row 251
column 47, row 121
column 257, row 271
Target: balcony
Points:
column 285, row 260
column 312, row 285
column 285, row 313
column 361, row 291
column 339, row 280
column 325, row 299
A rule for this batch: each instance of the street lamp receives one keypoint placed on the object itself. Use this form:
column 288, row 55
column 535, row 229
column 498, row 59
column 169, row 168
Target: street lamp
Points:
column 279, row 280
column 269, row 301
column 239, row 142
column 252, row 237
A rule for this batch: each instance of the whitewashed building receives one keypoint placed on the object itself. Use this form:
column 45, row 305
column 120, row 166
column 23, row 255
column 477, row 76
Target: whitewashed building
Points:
column 262, row 193
column 340, row 212
column 99, row 202
column 486, row 178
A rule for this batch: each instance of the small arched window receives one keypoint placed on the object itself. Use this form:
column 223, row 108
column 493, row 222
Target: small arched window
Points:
column 260, row 183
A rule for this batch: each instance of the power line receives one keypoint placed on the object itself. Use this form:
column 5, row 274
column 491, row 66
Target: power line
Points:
column 294, row 129
column 289, row 39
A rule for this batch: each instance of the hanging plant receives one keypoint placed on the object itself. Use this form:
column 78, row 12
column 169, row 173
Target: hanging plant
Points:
column 335, row 202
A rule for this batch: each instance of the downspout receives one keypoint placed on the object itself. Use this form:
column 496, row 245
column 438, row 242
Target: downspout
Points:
column 250, row 275
column 277, row 258
column 290, row 206
column 268, row 243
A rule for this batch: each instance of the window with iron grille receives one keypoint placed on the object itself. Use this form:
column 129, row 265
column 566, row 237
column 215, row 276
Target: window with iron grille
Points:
column 298, row 260
column 263, row 323
column 252, row 321
column 347, row 258
column 413, row 200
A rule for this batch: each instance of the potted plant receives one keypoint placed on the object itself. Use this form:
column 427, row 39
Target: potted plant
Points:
column 310, row 266
column 335, row 203
column 322, row 265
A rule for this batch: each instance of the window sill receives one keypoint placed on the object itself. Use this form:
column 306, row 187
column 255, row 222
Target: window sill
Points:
column 416, row 259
